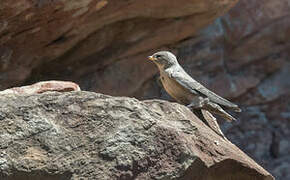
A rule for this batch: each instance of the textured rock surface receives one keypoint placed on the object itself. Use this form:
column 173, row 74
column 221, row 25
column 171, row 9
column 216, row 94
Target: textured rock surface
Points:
column 76, row 135
column 63, row 35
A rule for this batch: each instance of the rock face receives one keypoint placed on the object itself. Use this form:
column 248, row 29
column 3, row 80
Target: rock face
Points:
column 60, row 36
column 84, row 135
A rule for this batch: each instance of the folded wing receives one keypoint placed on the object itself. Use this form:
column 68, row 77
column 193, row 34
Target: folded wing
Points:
column 196, row 88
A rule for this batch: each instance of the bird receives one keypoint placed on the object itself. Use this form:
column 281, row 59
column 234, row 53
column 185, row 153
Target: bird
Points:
column 186, row 90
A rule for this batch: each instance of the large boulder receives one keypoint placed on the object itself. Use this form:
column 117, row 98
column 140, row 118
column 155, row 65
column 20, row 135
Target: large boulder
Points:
column 85, row 135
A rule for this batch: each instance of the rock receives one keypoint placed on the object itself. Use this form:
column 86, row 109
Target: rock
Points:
column 41, row 87
column 77, row 38
column 85, row 135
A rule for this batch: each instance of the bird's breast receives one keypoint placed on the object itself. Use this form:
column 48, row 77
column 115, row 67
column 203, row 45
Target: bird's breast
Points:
column 175, row 90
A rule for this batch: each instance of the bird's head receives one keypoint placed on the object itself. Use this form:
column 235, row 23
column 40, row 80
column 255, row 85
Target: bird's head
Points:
column 163, row 59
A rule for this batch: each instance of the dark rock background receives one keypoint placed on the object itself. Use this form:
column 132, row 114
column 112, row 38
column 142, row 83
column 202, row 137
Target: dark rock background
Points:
column 243, row 55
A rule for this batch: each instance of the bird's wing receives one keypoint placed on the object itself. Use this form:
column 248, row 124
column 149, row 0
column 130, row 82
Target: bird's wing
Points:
column 195, row 87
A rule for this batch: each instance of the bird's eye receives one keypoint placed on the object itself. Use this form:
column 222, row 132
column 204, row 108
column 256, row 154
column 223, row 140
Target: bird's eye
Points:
column 158, row 56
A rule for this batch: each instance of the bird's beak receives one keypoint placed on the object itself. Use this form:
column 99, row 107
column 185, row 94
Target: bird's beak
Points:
column 152, row 58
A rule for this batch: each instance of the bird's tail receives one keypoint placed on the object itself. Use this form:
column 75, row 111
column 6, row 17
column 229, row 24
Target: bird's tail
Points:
column 216, row 109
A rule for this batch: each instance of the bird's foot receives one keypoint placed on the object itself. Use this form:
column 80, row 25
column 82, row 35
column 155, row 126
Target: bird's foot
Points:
column 198, row 103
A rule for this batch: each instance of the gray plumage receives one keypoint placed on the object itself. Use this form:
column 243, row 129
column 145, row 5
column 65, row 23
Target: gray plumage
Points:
column 186, row 90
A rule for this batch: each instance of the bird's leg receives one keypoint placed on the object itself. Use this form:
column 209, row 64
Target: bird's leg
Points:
column 198, row 102
column 204, row 103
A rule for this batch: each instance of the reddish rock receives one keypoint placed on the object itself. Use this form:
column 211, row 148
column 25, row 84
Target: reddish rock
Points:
column 41, row 87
